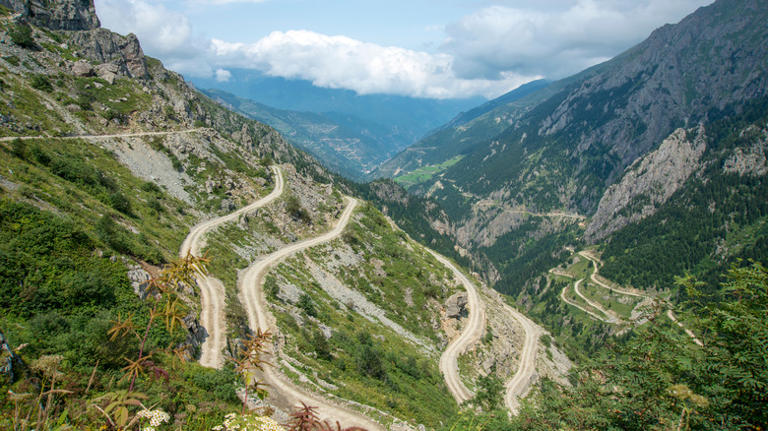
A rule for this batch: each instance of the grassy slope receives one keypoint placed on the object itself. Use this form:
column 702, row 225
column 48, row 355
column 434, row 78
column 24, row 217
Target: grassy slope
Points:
column 367, row 361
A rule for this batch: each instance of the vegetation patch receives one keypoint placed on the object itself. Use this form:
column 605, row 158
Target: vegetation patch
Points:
column 425, row 173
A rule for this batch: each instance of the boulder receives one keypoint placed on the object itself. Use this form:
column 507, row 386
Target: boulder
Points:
column 139, row 279
column 82, row 68
column 456, row 305
column 107, row 72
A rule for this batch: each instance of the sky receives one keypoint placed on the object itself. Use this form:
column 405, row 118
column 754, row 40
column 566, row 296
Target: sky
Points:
column 420, row 48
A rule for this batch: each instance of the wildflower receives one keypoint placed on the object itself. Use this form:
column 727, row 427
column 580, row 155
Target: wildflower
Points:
column 156, row 418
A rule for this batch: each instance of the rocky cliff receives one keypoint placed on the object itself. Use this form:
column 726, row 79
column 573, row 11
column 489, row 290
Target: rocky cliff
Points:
column 57, row 14
column 648, row 183
column 559, row 150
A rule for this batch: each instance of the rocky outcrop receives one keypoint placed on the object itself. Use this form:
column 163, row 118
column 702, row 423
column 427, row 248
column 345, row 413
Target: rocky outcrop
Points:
column 108, row 72
column 82, row 68
column 57, row 14
column 124, row 53
column 196, row 335
column 648, row 183
column 139, row 279
column 456, row 305
column 750, row 160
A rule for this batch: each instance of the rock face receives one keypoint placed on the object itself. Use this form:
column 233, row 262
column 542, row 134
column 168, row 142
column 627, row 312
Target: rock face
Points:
column 751, row 160
column 456, row 305
column 648, row 183
column 123, row 53
column 57, row 14
column 107, row 72
column 139, row 279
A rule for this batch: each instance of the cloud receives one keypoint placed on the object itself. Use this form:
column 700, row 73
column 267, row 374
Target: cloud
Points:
column 327, row 61
column 343, row 62
column 223, row 75
column 163, row 33
column 488, row 52
column 557, row 39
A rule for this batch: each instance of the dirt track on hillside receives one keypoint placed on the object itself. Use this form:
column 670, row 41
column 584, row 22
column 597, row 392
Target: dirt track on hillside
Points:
column 259, row 317
column 212, row 293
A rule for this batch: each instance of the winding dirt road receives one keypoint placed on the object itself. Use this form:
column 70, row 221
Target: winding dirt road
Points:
column 212, row 293
column 93, row 137
column 574, row 304
column 595, row 277
column 259, row 317
column 471, row 334
column 610, row 317
column 518, row 385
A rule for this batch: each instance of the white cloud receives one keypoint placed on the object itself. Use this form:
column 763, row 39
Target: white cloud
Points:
column 485, row 53
column 163, row 33
column 223, row 75
column 342, row 62
column 558, row 39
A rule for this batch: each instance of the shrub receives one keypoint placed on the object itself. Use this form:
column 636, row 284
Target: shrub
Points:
column 85, row 101
column 151, row 187
column 21, row 34
column 320, row 346
column 369, row 362
column 120, row 202
column 271, row 287
column 41, row 82
column 39, row 154
column 294, row 208
column 306, row 304
column 156, row 205
column 19, row 148
column 111, row 114
column 13, row 60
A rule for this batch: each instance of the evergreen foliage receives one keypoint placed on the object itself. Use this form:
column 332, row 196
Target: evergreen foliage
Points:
column 21, row 34
column 714, row 219
column 659, row 379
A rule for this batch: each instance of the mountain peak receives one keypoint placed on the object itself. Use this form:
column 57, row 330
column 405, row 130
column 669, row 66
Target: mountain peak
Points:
column 57, row 15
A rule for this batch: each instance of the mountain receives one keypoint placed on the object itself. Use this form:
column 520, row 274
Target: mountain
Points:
column 165, row 261
column 613, row 143
column 344, row 143
column 384, row 124
column 425, row 152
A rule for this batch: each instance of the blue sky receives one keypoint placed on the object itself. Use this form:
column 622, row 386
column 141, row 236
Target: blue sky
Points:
column 419, row 48
column 384, row 23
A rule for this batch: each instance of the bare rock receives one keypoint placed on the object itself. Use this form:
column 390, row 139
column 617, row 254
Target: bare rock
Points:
column 289, row 293
column 107, row 72
column 107, row 47
column 456, row 305
column 750, row 160
column 196, row 335
column 648, row 183
column 57, row 15
column 82, row 68
column 139, row 279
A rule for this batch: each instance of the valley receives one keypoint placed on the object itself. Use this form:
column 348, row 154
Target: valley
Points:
column 585, row 253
